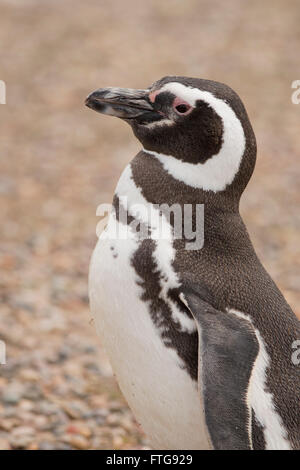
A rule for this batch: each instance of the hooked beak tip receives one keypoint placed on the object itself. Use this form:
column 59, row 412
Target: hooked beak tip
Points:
column 90, row 99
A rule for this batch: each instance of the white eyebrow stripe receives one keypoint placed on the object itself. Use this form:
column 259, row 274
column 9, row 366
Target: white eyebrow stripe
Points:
column 188, row 94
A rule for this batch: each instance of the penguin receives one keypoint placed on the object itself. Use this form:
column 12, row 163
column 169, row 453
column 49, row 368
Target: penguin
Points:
column 198, row 335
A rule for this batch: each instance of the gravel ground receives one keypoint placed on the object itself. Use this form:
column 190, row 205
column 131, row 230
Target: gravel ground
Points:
column 59, row 161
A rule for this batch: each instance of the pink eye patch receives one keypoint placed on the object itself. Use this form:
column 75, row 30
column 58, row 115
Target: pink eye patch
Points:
column 181, row 106
column 153, row 95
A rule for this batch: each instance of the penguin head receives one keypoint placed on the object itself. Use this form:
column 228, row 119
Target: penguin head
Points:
column 197, row 128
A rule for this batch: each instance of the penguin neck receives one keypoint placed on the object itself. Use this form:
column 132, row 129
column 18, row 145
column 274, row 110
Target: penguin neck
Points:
column 158, row 186
column 145, row 181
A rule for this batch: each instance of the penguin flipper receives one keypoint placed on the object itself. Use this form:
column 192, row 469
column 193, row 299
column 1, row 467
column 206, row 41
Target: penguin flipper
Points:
column 228, row 350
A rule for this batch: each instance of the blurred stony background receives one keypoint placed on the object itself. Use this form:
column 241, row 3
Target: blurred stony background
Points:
column 59, row 160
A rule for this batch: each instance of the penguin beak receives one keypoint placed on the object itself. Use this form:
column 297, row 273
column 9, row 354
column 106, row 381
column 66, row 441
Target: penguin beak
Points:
column 124, row 103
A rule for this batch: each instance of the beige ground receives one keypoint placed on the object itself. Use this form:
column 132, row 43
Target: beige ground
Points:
column 59, row 160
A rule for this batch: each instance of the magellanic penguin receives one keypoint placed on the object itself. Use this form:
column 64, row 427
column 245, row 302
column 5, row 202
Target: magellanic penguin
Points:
column 200, row 339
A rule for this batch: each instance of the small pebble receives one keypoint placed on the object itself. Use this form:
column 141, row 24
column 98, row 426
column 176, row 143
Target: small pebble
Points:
column 12, row 394
column 79, row 442
column 4, row 444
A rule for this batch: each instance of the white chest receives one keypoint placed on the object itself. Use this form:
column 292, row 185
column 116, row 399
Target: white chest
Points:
column 160, row 392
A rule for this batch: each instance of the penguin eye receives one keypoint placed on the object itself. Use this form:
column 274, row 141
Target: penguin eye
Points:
column 181, row 107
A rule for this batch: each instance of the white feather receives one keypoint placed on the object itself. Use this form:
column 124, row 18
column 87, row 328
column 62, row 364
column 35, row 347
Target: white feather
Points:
column 261, row 400
column 162, row 395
